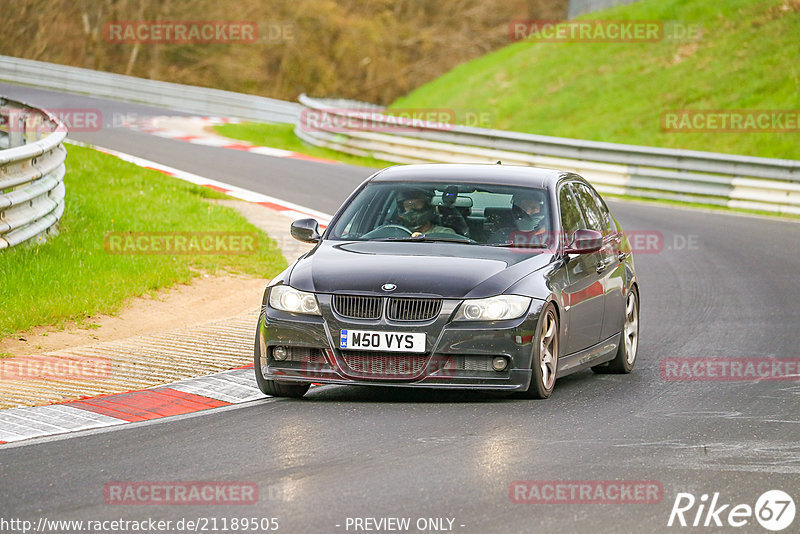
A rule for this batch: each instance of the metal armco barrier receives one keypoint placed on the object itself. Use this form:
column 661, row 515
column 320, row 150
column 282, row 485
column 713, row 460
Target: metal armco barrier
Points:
column 683, row 175
column 31, row 173
column 186, row 98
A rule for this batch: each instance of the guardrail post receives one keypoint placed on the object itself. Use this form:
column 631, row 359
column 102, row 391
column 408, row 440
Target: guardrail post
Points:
column 37, row 128
column 16, row 128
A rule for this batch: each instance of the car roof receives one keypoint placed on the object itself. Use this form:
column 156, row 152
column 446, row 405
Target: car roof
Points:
column 475, row 172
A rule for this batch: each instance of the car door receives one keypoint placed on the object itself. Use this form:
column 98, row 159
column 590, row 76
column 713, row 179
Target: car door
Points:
column 583, row 294
column 598, row 218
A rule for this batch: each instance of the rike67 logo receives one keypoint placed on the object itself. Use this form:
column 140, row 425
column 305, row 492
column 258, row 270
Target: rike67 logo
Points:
column 774, row 510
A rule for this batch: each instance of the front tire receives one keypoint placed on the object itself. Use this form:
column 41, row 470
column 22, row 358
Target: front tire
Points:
column 625, row 359
column 545, row 357
column 273, row 387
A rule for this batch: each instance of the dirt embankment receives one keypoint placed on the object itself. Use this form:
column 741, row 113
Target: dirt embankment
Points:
column 207, row 298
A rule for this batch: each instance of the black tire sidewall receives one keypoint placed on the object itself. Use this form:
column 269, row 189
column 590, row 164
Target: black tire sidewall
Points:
column 260, row 380
column 272, row 387
column 620, row 362
column 536, row 388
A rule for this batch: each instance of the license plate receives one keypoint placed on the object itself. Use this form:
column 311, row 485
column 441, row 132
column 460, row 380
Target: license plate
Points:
column 384, row 341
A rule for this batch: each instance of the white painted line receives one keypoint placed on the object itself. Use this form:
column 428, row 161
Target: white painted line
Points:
column 8, row 434
column 235, row 386
column 268, row 151
column 166, row 133
column 29, row 422
column 17, row 424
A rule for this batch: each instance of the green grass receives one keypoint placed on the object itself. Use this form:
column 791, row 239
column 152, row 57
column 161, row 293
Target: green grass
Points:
column 746, row 58
column 71, row 277
column 282, row 136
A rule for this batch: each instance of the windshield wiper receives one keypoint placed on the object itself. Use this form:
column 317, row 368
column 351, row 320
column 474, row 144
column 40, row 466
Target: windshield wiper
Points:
column 516, row 245
column 427, row 239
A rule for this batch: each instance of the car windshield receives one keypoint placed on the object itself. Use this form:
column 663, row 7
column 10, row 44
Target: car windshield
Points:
column 470, row 213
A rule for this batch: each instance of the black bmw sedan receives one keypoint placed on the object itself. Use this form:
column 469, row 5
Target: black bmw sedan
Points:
column 488, row 277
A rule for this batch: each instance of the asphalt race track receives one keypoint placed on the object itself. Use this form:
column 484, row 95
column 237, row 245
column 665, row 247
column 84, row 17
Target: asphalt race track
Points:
column 722, row 286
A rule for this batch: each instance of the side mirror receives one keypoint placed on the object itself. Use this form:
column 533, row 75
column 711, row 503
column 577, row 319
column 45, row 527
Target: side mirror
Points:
column 585, row 242
column 306, row 230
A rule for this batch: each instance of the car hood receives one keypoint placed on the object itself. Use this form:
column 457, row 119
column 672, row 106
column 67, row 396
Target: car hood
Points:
column 448, row 270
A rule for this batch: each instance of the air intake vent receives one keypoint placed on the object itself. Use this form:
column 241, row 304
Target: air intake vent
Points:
column 375, row 364
column 357, row 307
column 409, row 309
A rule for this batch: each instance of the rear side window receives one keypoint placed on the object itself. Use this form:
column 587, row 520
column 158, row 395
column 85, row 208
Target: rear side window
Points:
column 571, row 218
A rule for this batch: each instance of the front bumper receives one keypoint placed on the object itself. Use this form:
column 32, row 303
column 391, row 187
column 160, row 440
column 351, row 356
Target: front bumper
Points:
column 455, row 357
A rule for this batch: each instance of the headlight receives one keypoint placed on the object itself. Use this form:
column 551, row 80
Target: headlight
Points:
column 493, row 308
column 287, row 298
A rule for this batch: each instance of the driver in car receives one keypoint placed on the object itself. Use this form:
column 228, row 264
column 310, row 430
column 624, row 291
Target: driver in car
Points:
column 417, row 213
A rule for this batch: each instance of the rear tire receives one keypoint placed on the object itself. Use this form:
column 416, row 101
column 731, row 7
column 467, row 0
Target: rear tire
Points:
column 273, row 387
column 544, row 365
column 625, row 359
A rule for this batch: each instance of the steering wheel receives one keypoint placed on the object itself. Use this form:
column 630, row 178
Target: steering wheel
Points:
column 388, row 230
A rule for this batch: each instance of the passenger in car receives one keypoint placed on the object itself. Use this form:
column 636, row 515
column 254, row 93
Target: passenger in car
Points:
column 525, row 223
